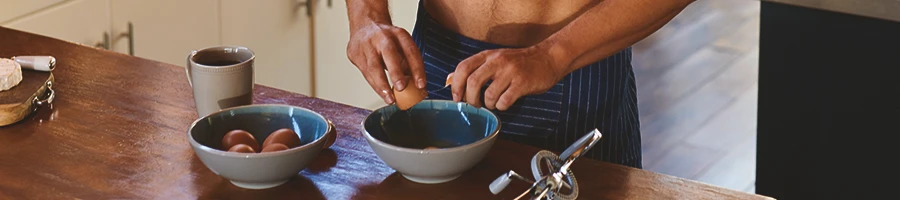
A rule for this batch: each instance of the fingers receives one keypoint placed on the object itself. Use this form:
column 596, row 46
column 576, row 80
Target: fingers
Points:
column 374, row 74
column 394, row 62
column 493, row 92
column 413, row 57
column 476, row 81
column 381, row 86
column 391, row 49
column 463, row 70
column 509, row 97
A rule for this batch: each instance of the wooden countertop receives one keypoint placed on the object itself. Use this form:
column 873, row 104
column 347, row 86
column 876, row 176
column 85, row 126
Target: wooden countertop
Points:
column 118, row 129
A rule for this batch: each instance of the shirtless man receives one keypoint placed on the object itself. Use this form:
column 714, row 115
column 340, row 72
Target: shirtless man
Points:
column 551, row 70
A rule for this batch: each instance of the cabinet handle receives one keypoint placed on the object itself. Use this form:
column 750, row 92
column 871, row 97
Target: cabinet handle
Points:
column 309, row 4
column 130, row 36
column 105, row 43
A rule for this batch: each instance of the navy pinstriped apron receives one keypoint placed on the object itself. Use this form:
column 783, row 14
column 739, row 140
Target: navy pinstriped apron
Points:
column 601, row 95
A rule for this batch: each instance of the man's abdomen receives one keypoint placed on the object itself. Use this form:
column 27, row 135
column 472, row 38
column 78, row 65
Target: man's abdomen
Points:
column 513, row 23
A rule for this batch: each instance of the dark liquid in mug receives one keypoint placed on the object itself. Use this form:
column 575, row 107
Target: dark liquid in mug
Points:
column 219, row 63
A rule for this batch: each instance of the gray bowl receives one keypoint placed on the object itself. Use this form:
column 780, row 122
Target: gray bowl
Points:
column 260, row 170
column 463, row 133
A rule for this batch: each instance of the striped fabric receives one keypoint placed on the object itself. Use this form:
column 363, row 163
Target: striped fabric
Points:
column 601, row 95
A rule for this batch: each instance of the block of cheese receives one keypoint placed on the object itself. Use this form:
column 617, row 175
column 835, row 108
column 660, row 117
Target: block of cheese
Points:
column 10, row 74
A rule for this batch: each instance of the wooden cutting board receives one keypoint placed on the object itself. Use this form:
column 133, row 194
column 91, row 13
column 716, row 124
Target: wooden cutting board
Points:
column 17, row 103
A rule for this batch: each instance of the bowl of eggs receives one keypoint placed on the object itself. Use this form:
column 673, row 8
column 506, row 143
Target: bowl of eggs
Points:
column 433, row 141
column 260, row 146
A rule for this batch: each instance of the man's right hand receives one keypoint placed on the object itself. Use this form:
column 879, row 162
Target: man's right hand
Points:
column 376, row 47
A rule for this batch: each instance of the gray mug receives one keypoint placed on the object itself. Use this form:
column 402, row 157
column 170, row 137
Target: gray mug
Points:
column 221, row 77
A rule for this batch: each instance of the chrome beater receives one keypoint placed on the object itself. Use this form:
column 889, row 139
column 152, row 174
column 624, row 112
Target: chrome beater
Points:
column 551, row 184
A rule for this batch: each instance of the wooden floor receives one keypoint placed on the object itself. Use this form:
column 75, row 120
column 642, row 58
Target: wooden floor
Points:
column 697, row 94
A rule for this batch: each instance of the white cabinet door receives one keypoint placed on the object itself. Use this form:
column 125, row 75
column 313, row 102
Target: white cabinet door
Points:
column 166, row 30
column 77, row 21
column 278, row 31
column 336, row 78
column 403, row 13
column 12, row 9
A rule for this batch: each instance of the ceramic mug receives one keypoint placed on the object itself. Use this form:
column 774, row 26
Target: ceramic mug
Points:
column 220, row 77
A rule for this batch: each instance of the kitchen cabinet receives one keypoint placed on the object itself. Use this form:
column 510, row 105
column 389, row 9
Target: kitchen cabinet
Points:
column 164, row 30
column 13, row 9
column 336, row 78
column 279, row 33
column 82, row 21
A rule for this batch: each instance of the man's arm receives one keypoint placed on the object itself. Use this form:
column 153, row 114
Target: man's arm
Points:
column 362, row 12
column 607, row 28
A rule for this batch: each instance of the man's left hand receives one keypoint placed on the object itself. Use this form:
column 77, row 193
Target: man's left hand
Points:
column 513, row 73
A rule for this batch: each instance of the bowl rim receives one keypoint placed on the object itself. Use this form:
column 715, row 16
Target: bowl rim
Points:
column 489, row 138
column 260, row 154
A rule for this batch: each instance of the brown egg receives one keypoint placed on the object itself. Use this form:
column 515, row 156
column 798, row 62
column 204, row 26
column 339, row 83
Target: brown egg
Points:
column 287, row 137
column 242, row 148
column 410, row 96
column 275, row 147
column 236, row 137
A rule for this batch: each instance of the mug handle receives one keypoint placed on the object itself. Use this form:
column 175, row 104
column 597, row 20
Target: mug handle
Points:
column 187, row 68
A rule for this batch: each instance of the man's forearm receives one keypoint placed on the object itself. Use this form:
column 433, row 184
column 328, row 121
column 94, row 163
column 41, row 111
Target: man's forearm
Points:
column 607, row 28
column 361, row 12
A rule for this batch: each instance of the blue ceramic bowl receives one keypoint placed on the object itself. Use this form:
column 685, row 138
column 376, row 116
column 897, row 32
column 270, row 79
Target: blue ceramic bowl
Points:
column 462, row 133
column 260, row 170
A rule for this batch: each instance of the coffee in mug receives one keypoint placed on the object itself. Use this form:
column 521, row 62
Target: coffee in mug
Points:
column 220, row 77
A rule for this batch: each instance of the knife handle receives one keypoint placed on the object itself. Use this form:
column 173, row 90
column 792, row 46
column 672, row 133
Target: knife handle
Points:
column 39, row 63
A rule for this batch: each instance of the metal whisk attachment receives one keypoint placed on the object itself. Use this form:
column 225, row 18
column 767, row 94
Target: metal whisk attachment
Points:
column 558, row 182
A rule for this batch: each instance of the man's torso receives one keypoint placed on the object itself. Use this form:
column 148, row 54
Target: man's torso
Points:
column 506, row 22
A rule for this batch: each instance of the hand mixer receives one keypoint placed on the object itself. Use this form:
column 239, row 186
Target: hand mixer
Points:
column 554, row 183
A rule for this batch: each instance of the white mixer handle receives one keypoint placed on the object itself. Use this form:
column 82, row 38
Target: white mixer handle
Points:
column 500, row 183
